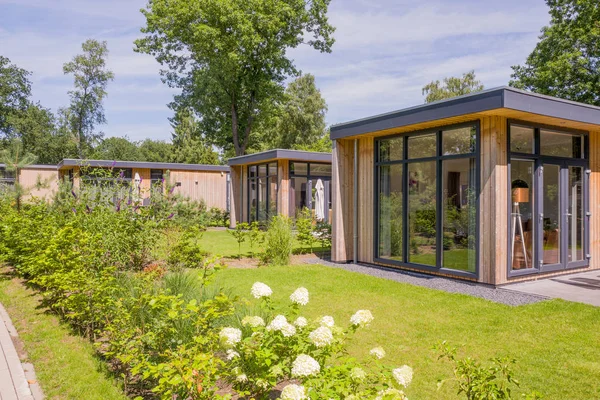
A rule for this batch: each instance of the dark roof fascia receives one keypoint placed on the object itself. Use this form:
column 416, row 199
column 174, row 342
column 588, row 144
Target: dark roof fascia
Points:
column 36, row 166
column 141, row 164
column 281, row 154
column 503, row 97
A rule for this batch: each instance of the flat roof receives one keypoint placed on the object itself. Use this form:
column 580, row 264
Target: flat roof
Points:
column 486, row 100
column 70, row 162
column 36, row 166
column 294, row 155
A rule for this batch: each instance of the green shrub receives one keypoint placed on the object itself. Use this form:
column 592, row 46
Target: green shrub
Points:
column 188, row 252
column 304, row 229
column 255, row 235
column 279, row 241
column 240, row 233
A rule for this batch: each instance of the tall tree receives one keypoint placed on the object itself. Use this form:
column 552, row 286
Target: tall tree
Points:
column 230, row 57
column 299, row 122
column 566, row 61
column 155, row 150
column 86, row 110
column 451, row 87
column 189, row 145
column 15, row 89
column 14, row 159
column 117, row 148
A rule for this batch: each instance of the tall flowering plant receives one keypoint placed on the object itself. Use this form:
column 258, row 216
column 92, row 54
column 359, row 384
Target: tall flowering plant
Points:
column 306, row 359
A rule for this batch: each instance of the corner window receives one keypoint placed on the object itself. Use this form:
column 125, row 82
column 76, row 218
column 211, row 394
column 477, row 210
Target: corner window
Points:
column 427, row 199
column 262, row 192
column 310, row 187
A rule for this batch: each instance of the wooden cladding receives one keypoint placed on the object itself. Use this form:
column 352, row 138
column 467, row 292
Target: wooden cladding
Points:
column 342, row 198
column 594, row 154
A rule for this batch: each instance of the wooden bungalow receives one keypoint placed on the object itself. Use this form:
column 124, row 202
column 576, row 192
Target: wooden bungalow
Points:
column 209, row 183
column 277, row 182
column 39, row 181
column 496, row 187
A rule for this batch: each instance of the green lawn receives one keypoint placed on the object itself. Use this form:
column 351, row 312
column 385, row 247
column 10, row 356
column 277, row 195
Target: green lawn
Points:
column 65, row 363
column 556, row 343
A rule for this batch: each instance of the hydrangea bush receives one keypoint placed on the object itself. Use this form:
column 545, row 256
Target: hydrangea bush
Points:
column 307, row 357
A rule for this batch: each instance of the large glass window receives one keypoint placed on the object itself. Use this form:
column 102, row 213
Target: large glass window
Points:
column 548, row 219
column 427, row 198
column 310, row 187
column 262, row 192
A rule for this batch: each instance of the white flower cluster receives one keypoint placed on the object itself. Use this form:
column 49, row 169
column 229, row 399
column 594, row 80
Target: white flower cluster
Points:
column 377, row 352
column 390, row 394
column 305, row 365
column 253, row 321
column 361, row 318
column 231, row 354
column 230, row 336
column 300, row 322
column 293, row 392
column 358, row 374
column 281, row 324
column 327, row 321
column 403, row 375
column 321, row 336
column 260, row 290
column 300, row 296
column 241, row 378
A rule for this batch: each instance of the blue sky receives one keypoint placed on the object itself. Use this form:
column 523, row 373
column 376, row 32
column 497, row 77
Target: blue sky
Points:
column 386, row 50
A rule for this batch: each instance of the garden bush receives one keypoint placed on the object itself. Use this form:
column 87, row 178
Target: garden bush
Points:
column 279, row 241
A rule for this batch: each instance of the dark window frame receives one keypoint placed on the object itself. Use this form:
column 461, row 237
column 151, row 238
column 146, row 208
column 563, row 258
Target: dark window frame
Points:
column 539, row 160
column 309, row 178
column 255, row 179
column 439, row 158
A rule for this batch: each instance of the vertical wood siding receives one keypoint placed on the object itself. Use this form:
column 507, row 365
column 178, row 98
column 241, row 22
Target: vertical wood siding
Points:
column 283, row 187
column 366, row 192
column 595, row 199
column 342, row 165
column 236, row 196
column 210, row 186
column 30, row 177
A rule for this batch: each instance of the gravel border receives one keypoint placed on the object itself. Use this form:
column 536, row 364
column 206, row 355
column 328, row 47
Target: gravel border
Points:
column 497, row 295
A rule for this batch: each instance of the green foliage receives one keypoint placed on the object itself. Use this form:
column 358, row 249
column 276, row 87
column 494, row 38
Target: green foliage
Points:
column 230, row 58
column 452, row 87
column 218, row 217
column 14, row 159
column 255, row 235
column 155, row 150
column 240, row 233
column 566, row 60
column 188, row 252
column 15, row 89
column 90, row 78
column 189, row 144
column 279, row 241
column 322, row 233
column 117, row 148
column 304, row 228
column 478, row 382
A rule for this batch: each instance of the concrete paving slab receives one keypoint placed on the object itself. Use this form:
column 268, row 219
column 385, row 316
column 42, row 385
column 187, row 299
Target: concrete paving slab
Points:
column 582, row 287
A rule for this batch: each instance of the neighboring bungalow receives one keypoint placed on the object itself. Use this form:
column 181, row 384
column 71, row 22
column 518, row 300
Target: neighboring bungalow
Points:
column 39, row 181
column 279, row 182
column 495, row 187
column 209, row 183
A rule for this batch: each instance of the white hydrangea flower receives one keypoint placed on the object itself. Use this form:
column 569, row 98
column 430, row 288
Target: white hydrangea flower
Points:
column 390, row 394
column 293, row 392
column 300, row 296
column 327, row 321
column 361, row 318
column 305, row 365
column 259, row 290
column 288, row 330
column 230, row 336
column 321, row 336
column 242, row 378
column 377, row 352
column 300, row 322
column 231, row 354
column 278, row 323
column 403, row 375
column 253, row 321
column 358, row 374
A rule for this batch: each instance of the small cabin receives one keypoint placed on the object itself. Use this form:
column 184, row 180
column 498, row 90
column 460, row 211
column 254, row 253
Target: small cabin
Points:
column 280, row 182
column 494, row 187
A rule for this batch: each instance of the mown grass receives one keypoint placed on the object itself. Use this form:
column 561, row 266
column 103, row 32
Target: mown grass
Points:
column 65, row 363
column 556, row 343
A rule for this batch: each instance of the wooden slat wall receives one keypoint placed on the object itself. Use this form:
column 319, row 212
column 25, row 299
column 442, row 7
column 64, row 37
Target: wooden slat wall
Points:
column 342, row 165
column 146, row 184
column 283, row 187
column 244, row 212
column 595, row 199
column 236, row 200
column 493, row 201
column 366, row 190
column 49, row 178
column 202, row 185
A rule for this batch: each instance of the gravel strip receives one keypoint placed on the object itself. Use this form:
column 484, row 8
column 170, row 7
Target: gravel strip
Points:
column 499, row 295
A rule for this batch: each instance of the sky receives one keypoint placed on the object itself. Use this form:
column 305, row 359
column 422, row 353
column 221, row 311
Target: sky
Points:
column 385, row 52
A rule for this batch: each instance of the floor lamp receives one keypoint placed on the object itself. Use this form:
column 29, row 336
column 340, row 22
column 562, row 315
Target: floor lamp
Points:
column 520, row 194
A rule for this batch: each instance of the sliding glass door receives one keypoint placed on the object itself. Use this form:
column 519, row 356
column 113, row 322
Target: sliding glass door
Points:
column 548, row 200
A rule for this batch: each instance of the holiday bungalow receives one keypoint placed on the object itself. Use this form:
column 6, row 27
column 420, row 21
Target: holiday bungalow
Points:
column 209, row 183
column 280, row 182
column 38, row 181
column 496, row 187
